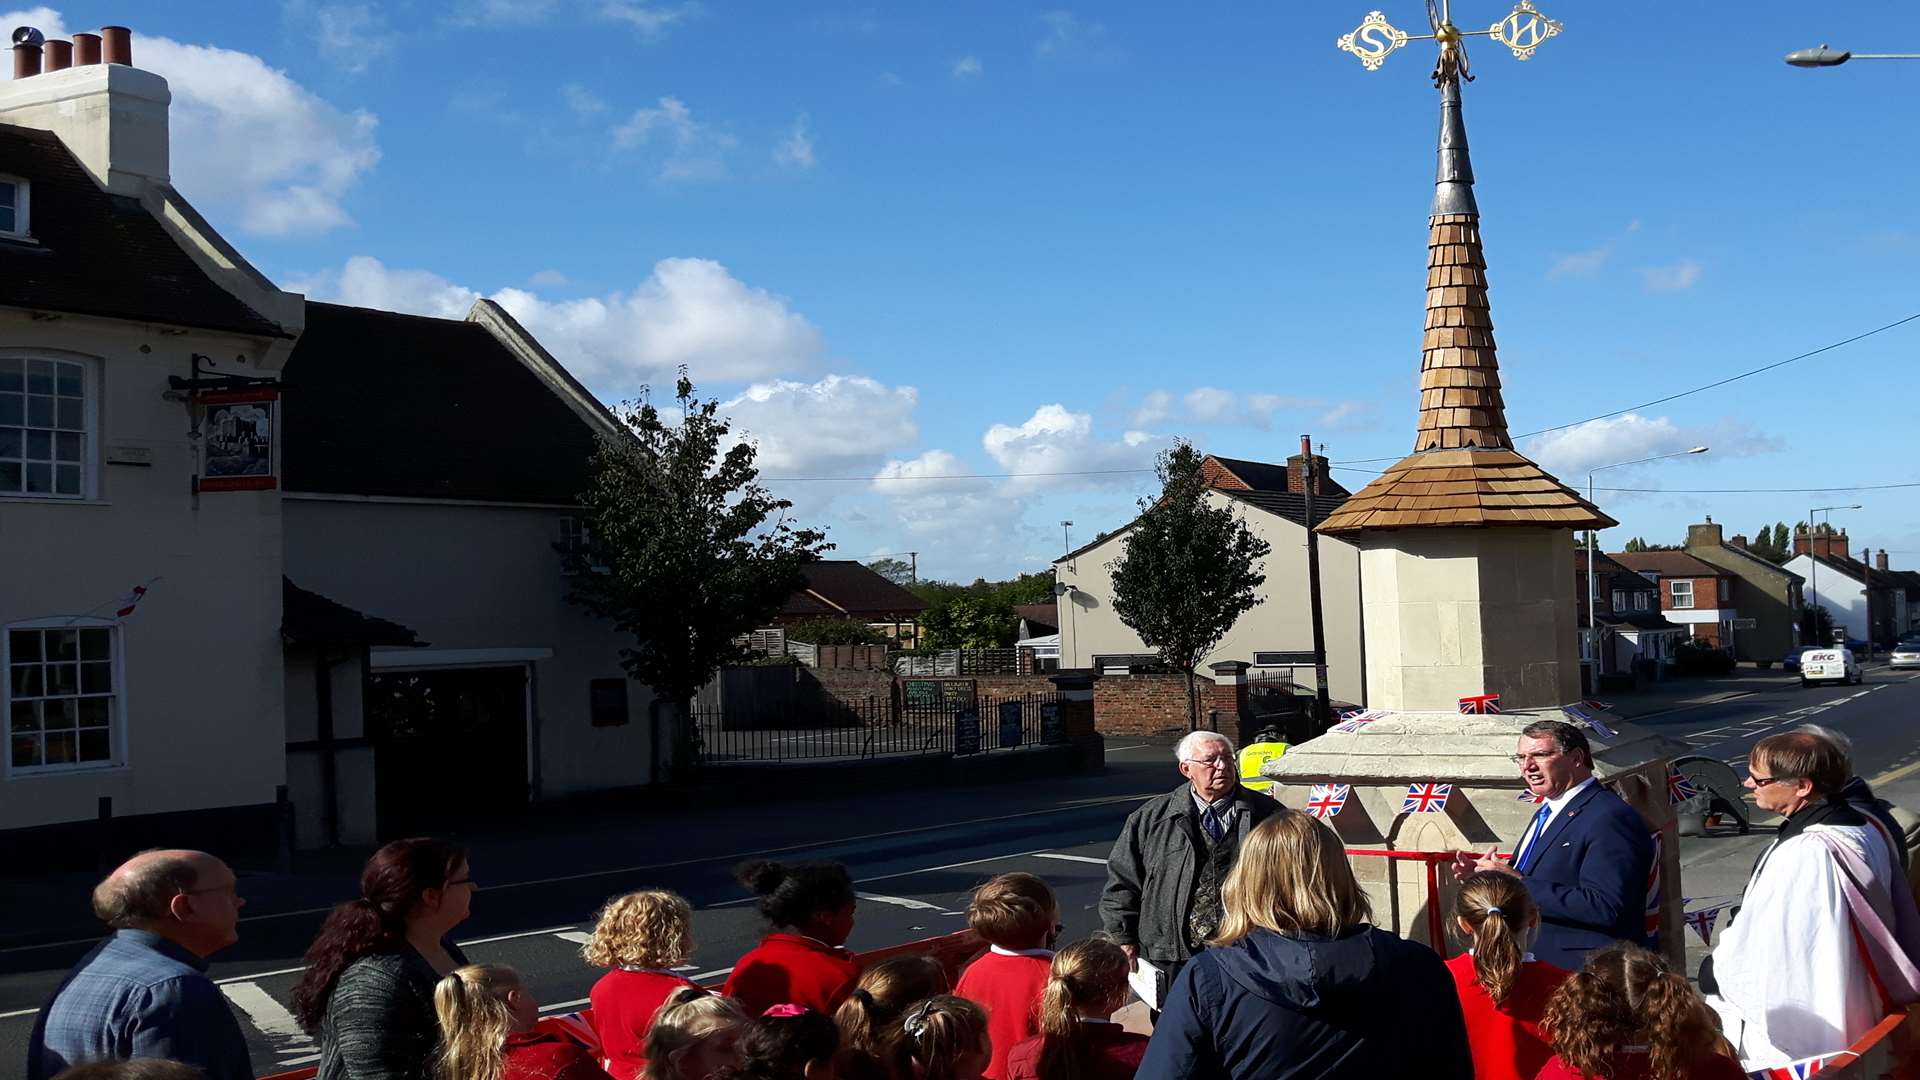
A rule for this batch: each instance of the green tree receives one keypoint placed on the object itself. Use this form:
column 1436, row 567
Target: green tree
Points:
column 898, row 571
column 1187, row 571
column 689, row 552
column 970, row 622
column 836, row 632
column 1636, row 544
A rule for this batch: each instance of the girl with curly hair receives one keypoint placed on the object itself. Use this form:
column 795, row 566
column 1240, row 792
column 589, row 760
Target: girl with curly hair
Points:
column 696, row 1036
column 1628, row 1016
column 640, row 938
column 1503, row 989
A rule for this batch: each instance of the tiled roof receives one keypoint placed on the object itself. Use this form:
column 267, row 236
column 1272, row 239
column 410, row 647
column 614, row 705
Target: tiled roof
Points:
column 1604, row 567
column 1267, row 476
column 850, row 590
column 1290, row 506
column 1642, row 620
column 93, row 253
column 1668, row 564
column 307, row 618
column 405, row 406
column 1439, row 488
column 1460, row 404
column 1043, row 617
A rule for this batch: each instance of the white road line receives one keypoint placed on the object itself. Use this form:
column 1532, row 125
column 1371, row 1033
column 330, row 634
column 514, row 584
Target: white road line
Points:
column 578, row 937
column 714, row 974
column 303, row 1059
column 555, row 930
column 258, row 975
column 19, row 1012
column 252, row 975
column 268, row 1016
column 560, row 1006
column 906, row 902
column 1136, row 746
column 1069, row 858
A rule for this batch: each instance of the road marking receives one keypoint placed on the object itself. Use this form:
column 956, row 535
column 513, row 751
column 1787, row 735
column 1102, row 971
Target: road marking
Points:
column 1891, row 775
column 1069, row 858
column 554, row 930
column 578, row 937
column 303, row 1059
column 907, row 902
column 269, row 1017
column 1136, row 746
column 19, row 1012
column 559, row 1005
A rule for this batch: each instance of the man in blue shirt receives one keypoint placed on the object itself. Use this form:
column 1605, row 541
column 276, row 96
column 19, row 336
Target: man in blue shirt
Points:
column 144, row 991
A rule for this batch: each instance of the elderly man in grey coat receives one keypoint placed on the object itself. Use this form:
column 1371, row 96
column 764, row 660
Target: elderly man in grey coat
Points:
column 1162, row 900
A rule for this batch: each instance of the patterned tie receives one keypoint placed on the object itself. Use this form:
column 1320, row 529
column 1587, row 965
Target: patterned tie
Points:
column 1533, row 837
column 1210, row 820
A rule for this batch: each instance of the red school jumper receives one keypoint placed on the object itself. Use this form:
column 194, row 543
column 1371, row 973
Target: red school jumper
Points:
column 1109, row 1051
column 624, row 1003
column 1632, row 1065
column 793, row 969
column 536, row 1055
column 1007, row 983
column 1506, row 1039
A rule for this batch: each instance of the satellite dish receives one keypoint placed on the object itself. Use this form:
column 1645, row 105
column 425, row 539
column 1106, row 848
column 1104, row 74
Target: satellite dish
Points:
column 1061, row 588
column 27, row 35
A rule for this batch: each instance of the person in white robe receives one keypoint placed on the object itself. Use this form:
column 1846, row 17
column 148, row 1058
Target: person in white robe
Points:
column 1824, row 943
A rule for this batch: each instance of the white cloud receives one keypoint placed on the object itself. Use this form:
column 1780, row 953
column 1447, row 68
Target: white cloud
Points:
column 840, row 424
column 1580, row 263
column 688, row 312
column 246, row 138
column 650, row 19
column 1348, row 416
column 501, row 12
column 1214, row 406
column 351, row 36
column 928, row 505
column 796, row 150
column 1572, row 452
column 890, row 80
column 1069, row 37
column 1155, row 407
column 582, row 100
column 693, row 150
column 1054, row 440
column 549, row 279
column 967, row 67
column 1676, row 277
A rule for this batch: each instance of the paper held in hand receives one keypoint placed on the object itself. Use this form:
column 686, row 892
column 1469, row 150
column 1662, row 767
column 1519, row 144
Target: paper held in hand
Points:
column 1147, row 983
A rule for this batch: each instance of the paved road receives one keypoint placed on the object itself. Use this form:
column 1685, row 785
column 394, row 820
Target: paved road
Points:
column 913, row 878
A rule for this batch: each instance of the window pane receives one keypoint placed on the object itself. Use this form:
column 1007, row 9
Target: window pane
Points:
column 66, row 380
column 13, row 408
column 71, row 416
column 66, row 446
column 66, row 480
column 12, row 441
column 95, row 712
column 11, row 475
column 63, row 678
column 39, row 480
column 13, row 373
column 96, row 746
column 26, row 716
column 39, row 410
column 9, row 220
column 96, row 644
column 26, row 751
column 63, row 749
column 26, row 680
column 60, row 714
column 96, row 678
column 9, row 194
column 39, row 376
column 23, row 645
column 40, row 446
column 63, row 644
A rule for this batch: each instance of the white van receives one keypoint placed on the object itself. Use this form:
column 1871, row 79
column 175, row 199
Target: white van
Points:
column 1829, row 665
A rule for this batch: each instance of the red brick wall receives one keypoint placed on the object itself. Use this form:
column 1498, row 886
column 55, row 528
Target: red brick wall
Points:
column 1142, row 704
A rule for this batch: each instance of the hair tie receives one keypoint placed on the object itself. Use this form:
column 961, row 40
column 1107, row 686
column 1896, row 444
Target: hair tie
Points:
column 1493, row 910
column 916, row 1024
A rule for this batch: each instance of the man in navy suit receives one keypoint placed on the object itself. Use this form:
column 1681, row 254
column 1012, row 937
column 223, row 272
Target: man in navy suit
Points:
column 1585, row 856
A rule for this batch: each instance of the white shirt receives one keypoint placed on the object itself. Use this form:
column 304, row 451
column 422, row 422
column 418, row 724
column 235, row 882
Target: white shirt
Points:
column 1553, row 807
column 998, row 951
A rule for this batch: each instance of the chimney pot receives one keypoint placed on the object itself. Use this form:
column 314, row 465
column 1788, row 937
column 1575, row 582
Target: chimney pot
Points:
column 1880, row 560
column 86, row 49
column 117, row 45
column 58, row 56
column 26, row 61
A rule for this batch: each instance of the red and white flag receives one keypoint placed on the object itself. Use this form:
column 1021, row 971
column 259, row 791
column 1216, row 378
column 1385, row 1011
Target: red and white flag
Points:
column 1480, row 703
column 1680, row 787
column 1428, row 798
column 1326, row 800
column 127, row 603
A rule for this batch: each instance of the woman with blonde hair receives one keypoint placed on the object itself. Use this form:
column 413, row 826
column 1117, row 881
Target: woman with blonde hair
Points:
column 640, row 938
column 487, row 1017
column 1626, row 1015
column 942, row 1038
column 1297, row 984
column 1503, row 990
column 1078, row 1039
column 694, row 1036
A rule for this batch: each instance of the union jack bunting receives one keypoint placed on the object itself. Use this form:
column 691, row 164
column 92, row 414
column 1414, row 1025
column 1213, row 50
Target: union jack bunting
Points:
column 1600, row 727
column 1480, row 703
column 1355, row 719
column 1798, row 1070
column 574, row 1026
column 1702, row 922
column 1426, row 798
column 1653, row 889
column 1595, row 703
column 127, row 603
column 1528, row 796
column 1326, row 800
column 1679, row 788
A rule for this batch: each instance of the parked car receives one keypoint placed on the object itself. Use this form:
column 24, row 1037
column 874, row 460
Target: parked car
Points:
column 1791, row 661
column 1829, row 665
column 1906, row 654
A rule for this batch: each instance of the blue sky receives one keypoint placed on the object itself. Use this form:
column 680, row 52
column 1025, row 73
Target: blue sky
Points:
column 987, row 238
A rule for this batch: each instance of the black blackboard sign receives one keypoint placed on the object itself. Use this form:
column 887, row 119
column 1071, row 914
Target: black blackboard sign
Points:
column 1051, row 728
column 966, row 730
column 936, row 694
column 1010, row 723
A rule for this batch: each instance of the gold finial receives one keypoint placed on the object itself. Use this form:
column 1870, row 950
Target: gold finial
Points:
column 1524, row 30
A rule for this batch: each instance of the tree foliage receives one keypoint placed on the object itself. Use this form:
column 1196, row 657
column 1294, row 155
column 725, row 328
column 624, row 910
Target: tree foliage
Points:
column 898, row 571
column 970, row 621
column 688, row 550
column 1640, row 544
column 1773, row 543
column 836, row 632
column 1187, row 571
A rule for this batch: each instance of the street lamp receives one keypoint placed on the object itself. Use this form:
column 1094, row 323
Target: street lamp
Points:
column 1813, row 580
column 1826, row 57
column 1593, row 638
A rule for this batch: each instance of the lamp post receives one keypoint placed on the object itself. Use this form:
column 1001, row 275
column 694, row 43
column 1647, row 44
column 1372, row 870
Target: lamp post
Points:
column 1826, row 57
column 1813, row 579
column 1593, row 633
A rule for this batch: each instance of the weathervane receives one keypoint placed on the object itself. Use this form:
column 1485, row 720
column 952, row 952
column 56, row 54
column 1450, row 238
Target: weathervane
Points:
column 1523, row 30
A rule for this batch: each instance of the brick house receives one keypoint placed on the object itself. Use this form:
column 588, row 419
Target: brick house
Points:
column 1870, row 600
column 1628, row 620
column 1692, row 592
column 1763, row 591
column 838, row 589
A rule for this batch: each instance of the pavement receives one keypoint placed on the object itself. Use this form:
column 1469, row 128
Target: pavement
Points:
column 915, row 856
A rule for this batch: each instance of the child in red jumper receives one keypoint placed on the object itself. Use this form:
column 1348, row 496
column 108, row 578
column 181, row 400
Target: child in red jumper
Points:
column 487, row 1017
column 1019, row 918
column 1503, row 989
column 801, row 962
column 1626, row 1015
column 1078, row 1038
column 641, row 937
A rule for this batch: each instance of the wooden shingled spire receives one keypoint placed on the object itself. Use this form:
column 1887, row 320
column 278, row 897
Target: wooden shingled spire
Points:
column 1464, row 470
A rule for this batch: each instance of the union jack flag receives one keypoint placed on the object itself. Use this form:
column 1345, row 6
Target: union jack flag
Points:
column 1355, row 719
column 1326, row 800
column 576, row 1027
column 1702, row 922
column 1428, row 798
column 131, row 600
column 1528, row 796
column 1653, row 888
column 1480, row 703
column 1797, row 1070
column 1680, row 788
column 1595, row 703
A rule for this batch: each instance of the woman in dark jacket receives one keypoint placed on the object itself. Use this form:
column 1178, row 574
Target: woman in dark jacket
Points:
column 368, row 988
column 1297, row 985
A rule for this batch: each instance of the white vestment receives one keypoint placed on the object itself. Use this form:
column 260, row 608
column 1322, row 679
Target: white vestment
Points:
column 1792, row 980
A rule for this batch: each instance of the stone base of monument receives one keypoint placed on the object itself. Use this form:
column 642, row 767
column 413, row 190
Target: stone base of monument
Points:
column 1385, row 758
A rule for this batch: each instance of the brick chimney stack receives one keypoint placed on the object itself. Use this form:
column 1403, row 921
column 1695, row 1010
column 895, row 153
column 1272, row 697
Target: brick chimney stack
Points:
column 1298, row 474
column 1739, row 540
column 1880, row 560
column 1707, row 534
column 110, row 114
column 1824, row 541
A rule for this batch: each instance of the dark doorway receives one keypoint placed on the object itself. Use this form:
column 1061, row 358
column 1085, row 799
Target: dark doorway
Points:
column 450, row 747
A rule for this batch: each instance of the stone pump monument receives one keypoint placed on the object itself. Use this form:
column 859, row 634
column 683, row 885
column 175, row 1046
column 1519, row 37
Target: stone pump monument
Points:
column 1466, row 570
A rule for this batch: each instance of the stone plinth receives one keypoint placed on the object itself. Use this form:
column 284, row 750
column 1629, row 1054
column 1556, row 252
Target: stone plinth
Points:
column 1485, row 810
column 1450, row 612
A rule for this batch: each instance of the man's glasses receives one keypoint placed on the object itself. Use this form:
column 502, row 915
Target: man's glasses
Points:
column 1542, row 755
column 1762, row 781
column 1210, row 762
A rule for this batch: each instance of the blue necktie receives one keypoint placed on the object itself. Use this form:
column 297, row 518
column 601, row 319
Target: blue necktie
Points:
column 1533, row 837
column 1211, row 821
